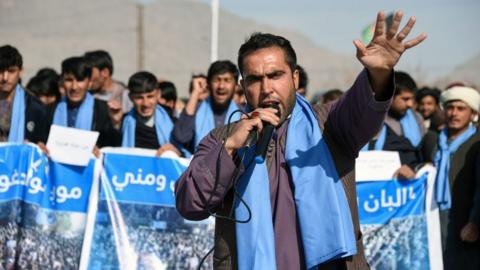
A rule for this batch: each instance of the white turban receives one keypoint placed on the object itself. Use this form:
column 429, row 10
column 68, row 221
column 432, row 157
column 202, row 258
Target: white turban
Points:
column 468, row 95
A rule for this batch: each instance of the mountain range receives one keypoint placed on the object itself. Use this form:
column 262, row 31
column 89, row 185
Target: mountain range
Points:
column 176, row 39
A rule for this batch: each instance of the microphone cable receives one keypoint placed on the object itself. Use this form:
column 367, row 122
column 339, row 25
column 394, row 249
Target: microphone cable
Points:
column 235, row 180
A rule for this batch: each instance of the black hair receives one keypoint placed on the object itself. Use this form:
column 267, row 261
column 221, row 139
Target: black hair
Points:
column 404, row 82
column 44, row 85
column 168, row 89
column 221, row 67
column 10, row 57
column 142, row 82
column 302, row 77
column 259, row 41
column 100, row 59
column 426, row 91
column 46, row 71
column 78, row 66
column 331, row 95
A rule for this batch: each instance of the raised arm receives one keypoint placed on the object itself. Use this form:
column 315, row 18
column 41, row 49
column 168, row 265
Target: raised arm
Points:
column 381, row 55
column 184, row 130
column 358, row 116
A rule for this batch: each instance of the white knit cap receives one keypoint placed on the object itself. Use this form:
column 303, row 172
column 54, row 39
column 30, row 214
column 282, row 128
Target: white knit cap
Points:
column 470, row 96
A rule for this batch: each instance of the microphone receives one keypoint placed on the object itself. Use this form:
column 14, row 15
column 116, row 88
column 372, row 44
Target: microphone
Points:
column 264, row 140
column 252, row 138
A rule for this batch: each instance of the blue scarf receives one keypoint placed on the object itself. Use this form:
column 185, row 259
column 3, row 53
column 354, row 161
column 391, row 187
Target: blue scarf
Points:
column 204, row 120
column 17, row 123
column 442, row 161
column 323, row 211
column 380, row 140
column 163, row 127
column 410, row 128
column 84, row 116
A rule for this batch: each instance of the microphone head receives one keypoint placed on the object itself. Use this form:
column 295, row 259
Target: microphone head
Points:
column 272, row 104
column 268, row 129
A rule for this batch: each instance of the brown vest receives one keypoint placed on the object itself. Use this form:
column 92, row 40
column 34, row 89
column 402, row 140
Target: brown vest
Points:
column 224, row 256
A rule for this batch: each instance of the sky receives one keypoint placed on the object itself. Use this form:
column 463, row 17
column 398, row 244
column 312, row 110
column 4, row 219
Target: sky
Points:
column 451, row 26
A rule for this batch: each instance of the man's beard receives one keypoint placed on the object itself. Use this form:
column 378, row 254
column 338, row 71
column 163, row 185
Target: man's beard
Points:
column 221, row 106
column 397, row 115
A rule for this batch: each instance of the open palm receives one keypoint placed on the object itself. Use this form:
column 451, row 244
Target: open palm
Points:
column 386, row 47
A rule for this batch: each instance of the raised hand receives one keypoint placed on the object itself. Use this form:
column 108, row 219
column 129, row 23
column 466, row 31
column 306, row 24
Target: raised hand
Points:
column 383, row 52
column 386, row 47
column 199, row 93
column 115, row 112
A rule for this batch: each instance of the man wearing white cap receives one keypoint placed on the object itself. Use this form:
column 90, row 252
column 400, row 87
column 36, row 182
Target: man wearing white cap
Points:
column 457, row 186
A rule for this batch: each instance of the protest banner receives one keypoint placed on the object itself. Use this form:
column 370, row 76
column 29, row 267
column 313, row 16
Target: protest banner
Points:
column 43, row 207
column 135, row 224
column 132, row 222
column 399, row 218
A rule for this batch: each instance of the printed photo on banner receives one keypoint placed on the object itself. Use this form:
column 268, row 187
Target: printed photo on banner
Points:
column 43, row 207
column 143, row 232
column 399, row 225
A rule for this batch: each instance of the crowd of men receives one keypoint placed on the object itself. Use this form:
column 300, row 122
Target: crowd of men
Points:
column 28, row 242
column 154, row 248
column 384, row 254
column 423, row 125
column 174, row 245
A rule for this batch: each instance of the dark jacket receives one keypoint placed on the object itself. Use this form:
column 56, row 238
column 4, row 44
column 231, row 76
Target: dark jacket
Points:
column 37, row 120
column 464, row 179
column 428, row 146
column 409, row 154
column 109, row 136
column 464, row 183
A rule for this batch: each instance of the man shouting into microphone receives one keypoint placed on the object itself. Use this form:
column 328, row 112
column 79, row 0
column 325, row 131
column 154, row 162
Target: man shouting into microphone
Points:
column 298, row 209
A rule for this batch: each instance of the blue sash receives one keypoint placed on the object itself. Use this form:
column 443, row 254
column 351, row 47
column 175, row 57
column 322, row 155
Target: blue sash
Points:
column 324, row 215
column 204, row 120
column 380, row 140
column 17, row 123
column 410, row 128
column 163, row 127
column 442, row 161
column 84, row 116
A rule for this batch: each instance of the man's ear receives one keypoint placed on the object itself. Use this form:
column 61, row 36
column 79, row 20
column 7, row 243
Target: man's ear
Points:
column 474, row 117
column 105, row 73
column 296, row 78
column 171, row 104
